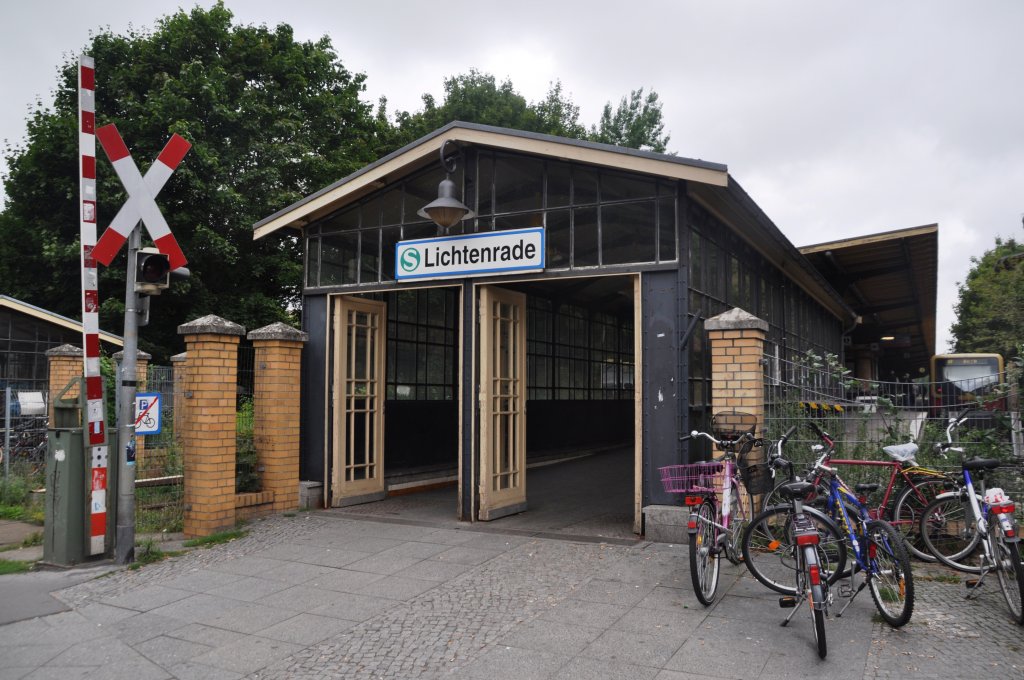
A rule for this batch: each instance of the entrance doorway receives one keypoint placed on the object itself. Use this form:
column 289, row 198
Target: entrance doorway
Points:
column 552, row 370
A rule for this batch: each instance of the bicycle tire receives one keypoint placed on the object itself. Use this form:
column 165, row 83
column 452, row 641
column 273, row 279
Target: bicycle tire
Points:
column 890, row 579
column 704, row 562
column 817, row 608
column 737, row 524
column 770, row 554
column 1010, row 571
column 948, row 531
column 907, row 511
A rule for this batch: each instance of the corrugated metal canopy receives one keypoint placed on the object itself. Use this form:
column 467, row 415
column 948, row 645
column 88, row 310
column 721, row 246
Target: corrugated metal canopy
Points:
column 889, row 279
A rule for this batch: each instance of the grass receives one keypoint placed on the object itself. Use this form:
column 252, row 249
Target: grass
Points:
column 937, row 578
column 146, row 552
column 216, row 539
column 14, row 567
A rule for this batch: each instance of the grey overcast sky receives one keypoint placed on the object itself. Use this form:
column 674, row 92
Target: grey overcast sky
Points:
column 839, row 119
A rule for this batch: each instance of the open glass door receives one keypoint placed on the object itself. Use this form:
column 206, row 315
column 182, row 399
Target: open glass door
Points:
column 502, row 402
column 357, row 474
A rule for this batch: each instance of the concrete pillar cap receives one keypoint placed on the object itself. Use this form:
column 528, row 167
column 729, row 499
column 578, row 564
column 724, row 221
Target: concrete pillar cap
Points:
column 211, row 324
column 734, row 320
column 139, row 354
column 178, row 358
column 278, row 331
column 64, row 351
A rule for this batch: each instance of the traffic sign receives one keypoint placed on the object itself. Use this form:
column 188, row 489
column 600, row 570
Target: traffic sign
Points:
column 147, row 413
column 141, row 192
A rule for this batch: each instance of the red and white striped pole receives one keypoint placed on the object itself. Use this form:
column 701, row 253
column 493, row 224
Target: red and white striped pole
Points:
column 95, row 412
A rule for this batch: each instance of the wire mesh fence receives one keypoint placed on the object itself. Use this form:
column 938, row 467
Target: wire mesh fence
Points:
column 866, row 416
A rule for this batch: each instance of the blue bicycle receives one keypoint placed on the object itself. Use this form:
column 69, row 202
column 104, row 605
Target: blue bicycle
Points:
column 877, row 548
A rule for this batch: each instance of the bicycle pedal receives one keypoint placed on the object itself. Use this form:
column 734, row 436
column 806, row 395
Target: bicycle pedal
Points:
column 972, row 583
column 845, row 591
column 787, row 601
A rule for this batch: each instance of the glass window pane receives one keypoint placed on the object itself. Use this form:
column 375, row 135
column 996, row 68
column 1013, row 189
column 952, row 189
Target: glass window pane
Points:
column 369, row 256
column 558, row 239
column 616, row 187
column 338, row 258
column 389, row 237
column 520, row 221
column 666, row 229
column 390, row 207
column 518, row 184
column 584, row 231
column 628, row 233
column 347, row 219
column 485, row 182
column 695, row 261
column 558, row 185
column 422, row 189
column 312, row 262
column 584, row 186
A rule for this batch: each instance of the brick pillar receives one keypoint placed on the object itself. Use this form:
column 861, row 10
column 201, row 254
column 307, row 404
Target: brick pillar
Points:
column 276, row 410
column 179, row 363
column 737, row 375
column 141, row 374
column 65, row 364
column 209, row 436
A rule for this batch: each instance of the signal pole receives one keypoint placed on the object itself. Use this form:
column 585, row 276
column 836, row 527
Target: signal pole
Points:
column 124, row 542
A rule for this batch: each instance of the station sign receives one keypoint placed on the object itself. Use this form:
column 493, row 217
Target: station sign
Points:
column 492, row 252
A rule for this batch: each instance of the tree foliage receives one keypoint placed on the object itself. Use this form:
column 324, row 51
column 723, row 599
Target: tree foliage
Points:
column 270, row 119
column 635, row 123
column 990, row 306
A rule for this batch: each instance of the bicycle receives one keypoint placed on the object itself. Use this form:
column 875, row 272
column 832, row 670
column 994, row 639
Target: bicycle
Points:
column 797, row 535
column 769, row 551
column 903, row 509
column 879, row 551
column 955, row 524
column 714, row 525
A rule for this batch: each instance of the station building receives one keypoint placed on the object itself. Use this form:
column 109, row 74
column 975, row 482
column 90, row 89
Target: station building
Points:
column 484, row 361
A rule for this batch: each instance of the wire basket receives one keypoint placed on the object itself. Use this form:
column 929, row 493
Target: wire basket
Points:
column 757, row 478
column 692, row 478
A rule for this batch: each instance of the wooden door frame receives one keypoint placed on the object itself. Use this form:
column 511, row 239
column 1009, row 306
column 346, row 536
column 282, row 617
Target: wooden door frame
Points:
column 336, row 401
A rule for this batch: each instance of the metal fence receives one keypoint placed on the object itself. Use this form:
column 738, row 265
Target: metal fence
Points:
column 865, row 416
column 23, row 423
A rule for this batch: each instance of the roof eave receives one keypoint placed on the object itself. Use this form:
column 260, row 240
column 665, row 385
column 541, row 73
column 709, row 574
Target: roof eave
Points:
column 422, row 151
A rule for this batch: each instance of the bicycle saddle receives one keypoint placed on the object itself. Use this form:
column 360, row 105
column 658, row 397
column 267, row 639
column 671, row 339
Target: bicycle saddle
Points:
column 981, row 464
column 903, row 453
column 791, row 490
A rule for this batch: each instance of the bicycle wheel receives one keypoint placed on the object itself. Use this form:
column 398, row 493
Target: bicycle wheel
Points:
column 770, row 554
column 816, row 603
column 704, row 563
column 1009, row 570
column 908, row 510
column 949, row 532
column 737, row 523
column 890, row 579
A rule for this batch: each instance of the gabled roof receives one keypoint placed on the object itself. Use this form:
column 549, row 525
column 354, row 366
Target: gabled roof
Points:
column 709, row 183
column 424, row 151
column 54, row 318
column 890, row 280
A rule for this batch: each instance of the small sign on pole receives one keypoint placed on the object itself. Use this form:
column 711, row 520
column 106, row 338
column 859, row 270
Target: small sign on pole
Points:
column 147, row 413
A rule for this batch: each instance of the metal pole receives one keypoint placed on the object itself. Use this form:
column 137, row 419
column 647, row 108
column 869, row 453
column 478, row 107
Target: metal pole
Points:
column 124, row 542
column 7, row 432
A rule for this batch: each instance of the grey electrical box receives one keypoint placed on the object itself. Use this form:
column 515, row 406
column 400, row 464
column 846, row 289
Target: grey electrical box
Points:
column 69, row 480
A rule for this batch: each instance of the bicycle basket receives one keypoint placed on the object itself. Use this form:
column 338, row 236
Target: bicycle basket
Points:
column 692, row 478
column 729, row 426
column 757, row 478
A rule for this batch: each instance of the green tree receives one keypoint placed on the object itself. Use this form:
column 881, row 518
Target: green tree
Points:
column 636, row 123
column 990, row 307
column 271, row 120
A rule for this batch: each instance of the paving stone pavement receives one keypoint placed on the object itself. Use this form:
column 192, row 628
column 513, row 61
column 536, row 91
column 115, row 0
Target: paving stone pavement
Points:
column 329, row 595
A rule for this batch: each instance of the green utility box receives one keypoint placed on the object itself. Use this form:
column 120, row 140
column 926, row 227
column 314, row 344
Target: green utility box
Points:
column 68, row 514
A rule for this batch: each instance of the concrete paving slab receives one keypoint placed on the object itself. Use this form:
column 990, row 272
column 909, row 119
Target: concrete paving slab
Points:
column 345, row 580
column 512, row 663
column 353, row 607
column 248, row 655
column 641, row 649
column 206, row 635
column 581, row 668
column 581, row 612
column 306, row 629
column 245, row 617
column 397, row 588
column 141, row 627
column 549, row 636
column 433, row 570
column 383, row 565
column 196, row 671
column 169, row 651
column 249, row 588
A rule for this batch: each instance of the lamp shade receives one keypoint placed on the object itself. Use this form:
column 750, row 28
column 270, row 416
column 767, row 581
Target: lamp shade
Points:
column 446, row 211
